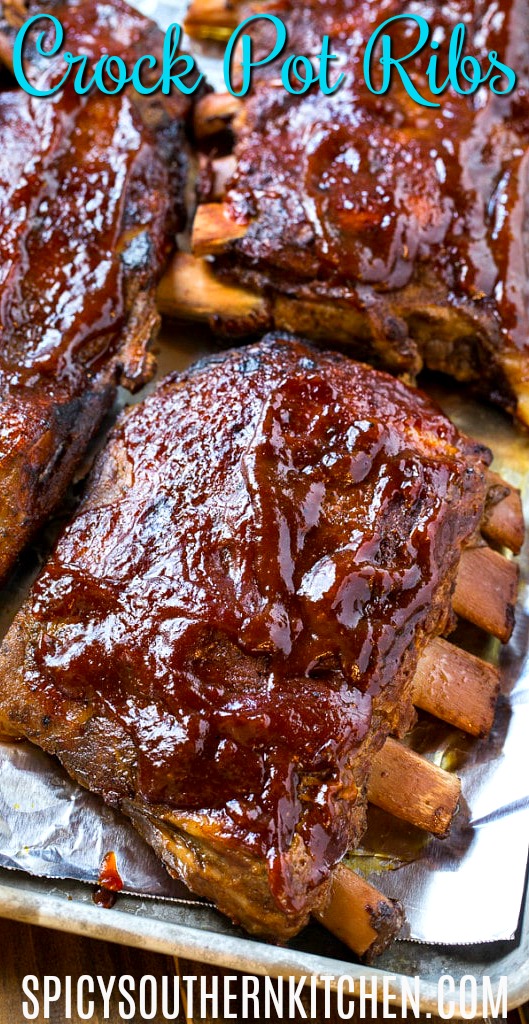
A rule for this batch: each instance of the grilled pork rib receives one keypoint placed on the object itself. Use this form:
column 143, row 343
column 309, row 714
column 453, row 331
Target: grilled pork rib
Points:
column 398, row 230
column 90, row 196
column 228, row 629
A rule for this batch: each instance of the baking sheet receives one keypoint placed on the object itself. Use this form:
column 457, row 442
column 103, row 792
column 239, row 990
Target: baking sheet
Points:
column 50, row 827
column 192, row 928
column 442, row 887
column 207, row 938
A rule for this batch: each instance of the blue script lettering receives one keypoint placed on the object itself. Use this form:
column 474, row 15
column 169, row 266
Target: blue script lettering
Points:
column 460, row 66
column 388, row 62
column 18, row 52
column 110, row 74
column 298, row 72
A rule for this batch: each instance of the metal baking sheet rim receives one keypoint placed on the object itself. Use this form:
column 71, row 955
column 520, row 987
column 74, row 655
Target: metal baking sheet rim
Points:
column 136, row 922
column 132, row 926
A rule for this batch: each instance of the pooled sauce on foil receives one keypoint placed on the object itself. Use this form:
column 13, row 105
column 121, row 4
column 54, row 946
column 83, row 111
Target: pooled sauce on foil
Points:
column 109, row 876
column 109, row 882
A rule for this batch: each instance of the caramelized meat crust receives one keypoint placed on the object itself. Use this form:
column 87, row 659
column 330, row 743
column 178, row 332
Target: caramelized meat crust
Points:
column 398, row 230
column 90, row 197
column 228, row 628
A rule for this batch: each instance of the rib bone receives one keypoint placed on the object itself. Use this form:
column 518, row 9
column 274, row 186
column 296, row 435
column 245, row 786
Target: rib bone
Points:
column 414, row 790
column 486, row 591
column 191, row 290
column 214, row 113
column 503, row 522
column 214, row 229
column 359, row 914
column 211, row 19
column 456, row 687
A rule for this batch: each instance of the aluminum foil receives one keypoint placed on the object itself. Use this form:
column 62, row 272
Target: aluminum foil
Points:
column 52, row 828
column 466, row 889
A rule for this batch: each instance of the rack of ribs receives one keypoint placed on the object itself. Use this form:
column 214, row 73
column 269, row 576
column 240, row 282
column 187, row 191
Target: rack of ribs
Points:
column 393, row 229
column 91, row 194
column 248, row 602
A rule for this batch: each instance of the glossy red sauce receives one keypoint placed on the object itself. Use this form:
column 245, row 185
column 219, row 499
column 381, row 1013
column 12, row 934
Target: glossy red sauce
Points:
column 89, row 190
column 109, row 882
column 109, row 876
column 72, row 172
column 283, row 523
column 357, row 190
column 103, row 898
column 63, row 303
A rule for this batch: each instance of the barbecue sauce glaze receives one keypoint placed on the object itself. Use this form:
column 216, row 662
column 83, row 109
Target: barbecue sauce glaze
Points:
column 63, row 316
column 90, row 196
column 264, row 543
column 86, row 201
column 360, row 190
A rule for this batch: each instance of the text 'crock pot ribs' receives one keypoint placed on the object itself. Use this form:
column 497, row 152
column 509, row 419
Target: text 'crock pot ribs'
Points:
column 90, row 197
column 229, row 627
column 395, row 229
